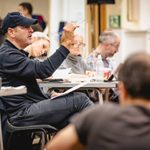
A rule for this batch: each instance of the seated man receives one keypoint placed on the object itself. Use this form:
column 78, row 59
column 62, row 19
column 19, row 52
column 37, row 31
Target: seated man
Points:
column 17, row 69
column 111, row 126
column 107, row 48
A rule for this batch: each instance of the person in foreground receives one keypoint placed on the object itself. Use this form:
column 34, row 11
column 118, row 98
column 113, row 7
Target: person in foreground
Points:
column 16, row 69
column 111, row 126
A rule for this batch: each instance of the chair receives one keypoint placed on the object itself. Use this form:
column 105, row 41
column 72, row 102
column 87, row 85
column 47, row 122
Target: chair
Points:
column 23, row 134
column 43, row 132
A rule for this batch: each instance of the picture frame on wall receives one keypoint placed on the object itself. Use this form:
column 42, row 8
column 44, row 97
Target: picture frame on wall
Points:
column 114, row 21
column 133, row 10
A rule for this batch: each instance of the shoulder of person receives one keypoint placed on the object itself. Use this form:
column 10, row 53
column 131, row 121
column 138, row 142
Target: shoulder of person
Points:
column 97, row 109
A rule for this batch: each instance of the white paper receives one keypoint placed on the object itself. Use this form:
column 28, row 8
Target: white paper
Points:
column 77, row 77
column 73, row 89
column 61, row 73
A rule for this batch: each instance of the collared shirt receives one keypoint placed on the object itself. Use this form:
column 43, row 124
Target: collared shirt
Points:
column 92, row 61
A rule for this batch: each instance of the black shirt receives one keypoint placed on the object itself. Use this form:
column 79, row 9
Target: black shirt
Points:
column 111, row 127
column 17, row 69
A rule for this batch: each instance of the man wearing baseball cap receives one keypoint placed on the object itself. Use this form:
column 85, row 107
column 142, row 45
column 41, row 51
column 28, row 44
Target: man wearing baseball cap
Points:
column 16, row 19
column 17, row 69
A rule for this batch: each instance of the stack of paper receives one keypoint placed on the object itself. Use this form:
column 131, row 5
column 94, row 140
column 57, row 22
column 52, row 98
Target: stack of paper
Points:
column 72, row 89
column 77, row 78
column 61, row 73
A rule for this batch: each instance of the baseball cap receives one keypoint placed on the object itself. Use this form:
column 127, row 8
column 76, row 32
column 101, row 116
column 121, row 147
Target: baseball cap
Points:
column 15, row 19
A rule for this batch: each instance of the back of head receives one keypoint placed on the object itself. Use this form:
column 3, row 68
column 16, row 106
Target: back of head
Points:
column 135, row 74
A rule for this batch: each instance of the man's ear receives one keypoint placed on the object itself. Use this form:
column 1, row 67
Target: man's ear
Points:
column 123, row 92
column 11, row 32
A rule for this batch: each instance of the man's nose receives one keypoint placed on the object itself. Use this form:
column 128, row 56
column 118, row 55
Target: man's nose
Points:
column 31, row 29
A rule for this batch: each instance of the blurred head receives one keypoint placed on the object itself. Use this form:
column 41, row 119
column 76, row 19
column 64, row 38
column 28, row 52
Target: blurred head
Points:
column 41, row 37
column 110, row 42
column 79, row 45
column 25, row 8
column 18, row 29
column 134, row 77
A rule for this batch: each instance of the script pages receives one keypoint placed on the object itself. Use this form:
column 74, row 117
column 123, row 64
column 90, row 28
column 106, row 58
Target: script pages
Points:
column 72, row 89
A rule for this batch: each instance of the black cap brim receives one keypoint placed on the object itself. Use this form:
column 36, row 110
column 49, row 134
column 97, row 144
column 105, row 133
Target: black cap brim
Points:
column 27, row 22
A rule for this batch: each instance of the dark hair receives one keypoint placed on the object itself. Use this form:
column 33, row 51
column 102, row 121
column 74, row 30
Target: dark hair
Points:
column 135, row 74
column 27, row 6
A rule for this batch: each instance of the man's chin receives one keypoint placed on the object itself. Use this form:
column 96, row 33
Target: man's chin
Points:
column 27, row 44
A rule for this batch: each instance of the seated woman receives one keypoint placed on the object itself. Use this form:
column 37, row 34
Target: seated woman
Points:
column 39, row 47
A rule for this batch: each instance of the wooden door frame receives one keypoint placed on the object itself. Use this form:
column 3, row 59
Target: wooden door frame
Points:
column 96, row 23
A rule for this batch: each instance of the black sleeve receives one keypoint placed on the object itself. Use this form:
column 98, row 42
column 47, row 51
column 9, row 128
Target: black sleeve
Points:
column 17, row 64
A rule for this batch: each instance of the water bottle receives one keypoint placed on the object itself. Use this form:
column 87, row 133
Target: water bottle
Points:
column 100, row 69
column 91, row 62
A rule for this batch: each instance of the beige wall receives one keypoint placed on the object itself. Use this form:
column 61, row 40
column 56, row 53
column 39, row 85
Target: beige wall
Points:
column 112, row 9
column 39, row 7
